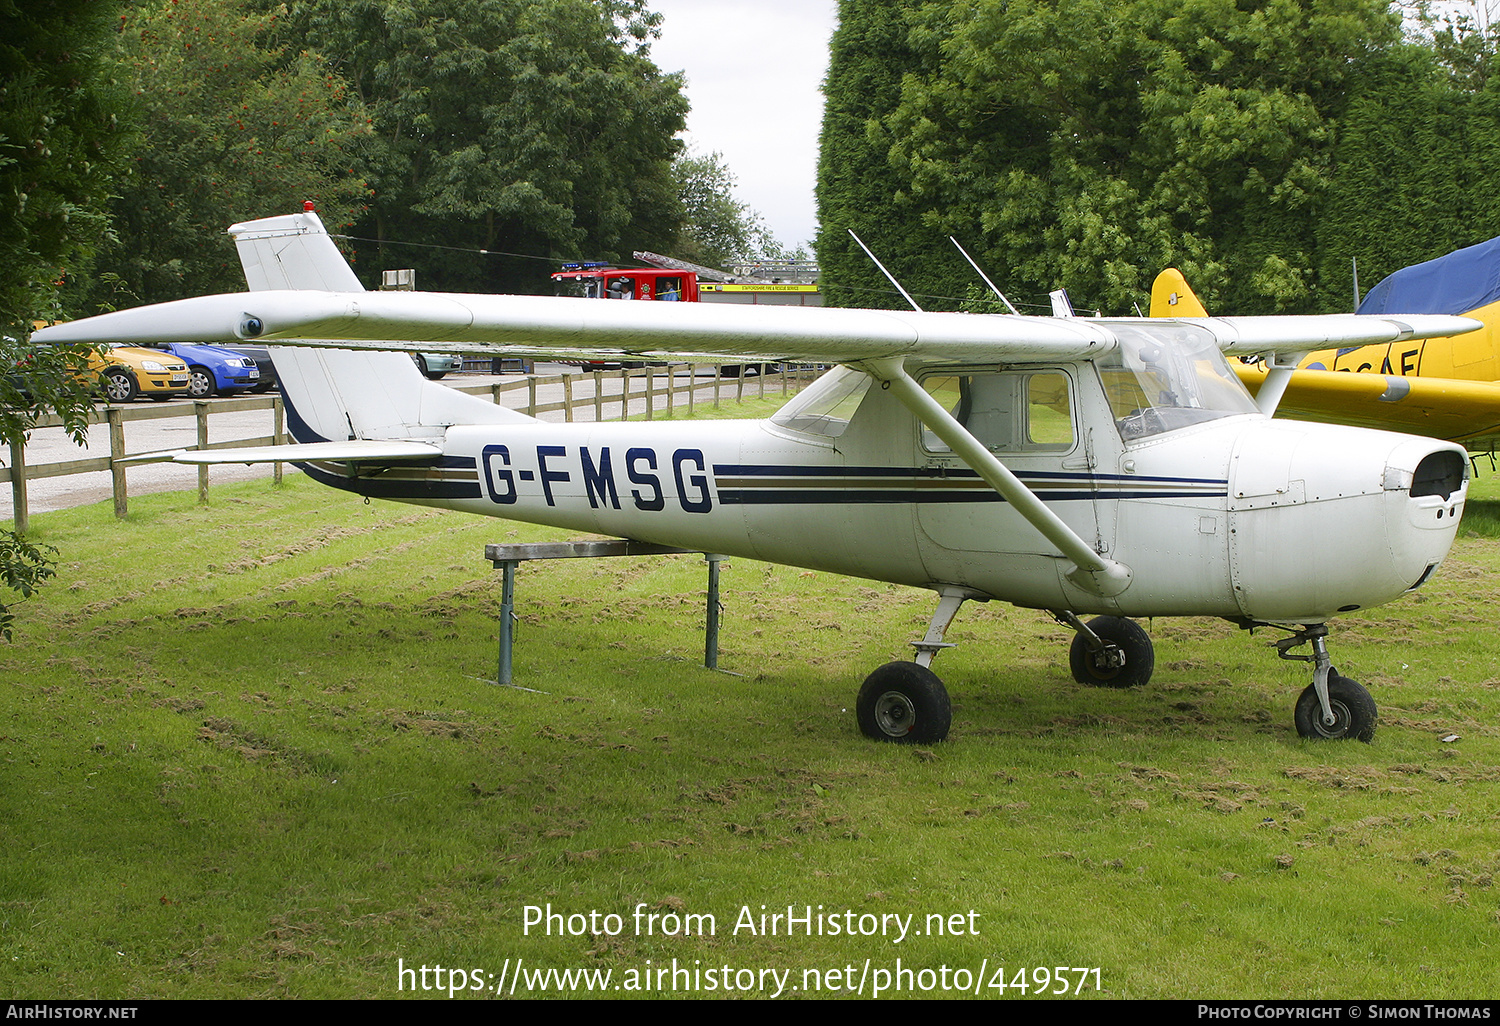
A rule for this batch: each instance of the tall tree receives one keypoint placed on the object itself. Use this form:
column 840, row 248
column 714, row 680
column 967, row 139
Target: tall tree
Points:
column 717, row 229
column 1418, row 152
column 60, row 141
column 533, row 127
column 858, row 187
column 1088, row 143
column 235, row 125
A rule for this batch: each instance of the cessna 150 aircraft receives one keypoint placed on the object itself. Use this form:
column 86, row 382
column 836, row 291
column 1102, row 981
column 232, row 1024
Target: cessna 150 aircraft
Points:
column 1109, row 467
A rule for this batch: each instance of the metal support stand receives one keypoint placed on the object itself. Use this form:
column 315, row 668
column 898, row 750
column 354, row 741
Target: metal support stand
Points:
column 711, row 624
column 506, row 558
column 507, row 619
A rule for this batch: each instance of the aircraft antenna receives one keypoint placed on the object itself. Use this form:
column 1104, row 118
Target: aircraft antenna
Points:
column 1354, row 261
column 889, row 276
column 980, row 271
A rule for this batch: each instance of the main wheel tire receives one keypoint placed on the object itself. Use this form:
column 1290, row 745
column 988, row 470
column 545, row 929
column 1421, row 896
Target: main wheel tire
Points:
column 119, row 385
column 905, row 703
column 201, row 383
column 1135, row 656
column 1353, row 709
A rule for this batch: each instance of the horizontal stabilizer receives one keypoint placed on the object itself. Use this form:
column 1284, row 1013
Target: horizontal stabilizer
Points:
column 356, row 450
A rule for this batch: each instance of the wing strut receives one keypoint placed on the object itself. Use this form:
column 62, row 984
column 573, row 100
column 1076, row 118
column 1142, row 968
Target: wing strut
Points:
column 1279, row 367
column 1093, row 572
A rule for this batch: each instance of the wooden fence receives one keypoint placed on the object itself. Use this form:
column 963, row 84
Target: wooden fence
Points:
column 658, row 389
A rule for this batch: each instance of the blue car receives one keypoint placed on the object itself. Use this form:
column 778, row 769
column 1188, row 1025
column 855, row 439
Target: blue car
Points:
column 213, row 370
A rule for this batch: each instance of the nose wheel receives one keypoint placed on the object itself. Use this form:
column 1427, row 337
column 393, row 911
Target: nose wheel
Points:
column 1351, row 705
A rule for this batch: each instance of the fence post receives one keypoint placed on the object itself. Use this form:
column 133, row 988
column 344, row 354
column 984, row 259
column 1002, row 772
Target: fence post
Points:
column 200, row 413
column 18, row 484
column 692, row 385
column 650, row 387
column 598, row 396
column 278, row 429
column 531, row 391
column 116, row 453
column 671, row 389
column 568, row 397
column 718, row 377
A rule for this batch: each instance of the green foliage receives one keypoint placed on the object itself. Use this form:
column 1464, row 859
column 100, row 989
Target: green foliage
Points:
column 38, row 381
column 859, row 188
column 1418, row 152
column 1088, row 144
column 23, row 568
column 1094, row 143
column 60, row 145
column 535, row 127
column 717, row 229
column 236, row 124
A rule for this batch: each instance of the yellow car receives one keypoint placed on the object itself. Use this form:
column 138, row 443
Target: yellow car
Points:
column 128, row 371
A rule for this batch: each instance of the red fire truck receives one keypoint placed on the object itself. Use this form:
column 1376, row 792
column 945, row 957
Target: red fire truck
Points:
column 600, row 281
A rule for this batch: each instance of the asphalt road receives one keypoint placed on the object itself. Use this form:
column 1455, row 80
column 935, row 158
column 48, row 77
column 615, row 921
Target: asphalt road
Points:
column 51, row 445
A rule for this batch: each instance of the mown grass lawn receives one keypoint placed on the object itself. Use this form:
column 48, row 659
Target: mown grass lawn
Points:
column 249, row 750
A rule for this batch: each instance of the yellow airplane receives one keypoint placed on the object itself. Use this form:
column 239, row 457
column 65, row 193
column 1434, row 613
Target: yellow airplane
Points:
column 1445, row 388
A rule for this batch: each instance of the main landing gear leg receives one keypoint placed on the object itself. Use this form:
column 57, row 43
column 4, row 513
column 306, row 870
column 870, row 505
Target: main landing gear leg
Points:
column 906, row 702
column 1332, row 707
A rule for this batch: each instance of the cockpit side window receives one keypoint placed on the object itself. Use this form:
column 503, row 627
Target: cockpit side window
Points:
column 1020, row 411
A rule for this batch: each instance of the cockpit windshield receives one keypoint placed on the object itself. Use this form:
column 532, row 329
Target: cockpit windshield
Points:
column 1167, row 376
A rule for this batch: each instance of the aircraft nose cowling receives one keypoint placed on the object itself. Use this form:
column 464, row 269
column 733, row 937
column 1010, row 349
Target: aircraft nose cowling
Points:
column 1326, row 520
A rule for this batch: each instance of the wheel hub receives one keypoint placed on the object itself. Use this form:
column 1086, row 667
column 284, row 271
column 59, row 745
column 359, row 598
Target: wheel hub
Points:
column 895, row 714
column 1341, row 720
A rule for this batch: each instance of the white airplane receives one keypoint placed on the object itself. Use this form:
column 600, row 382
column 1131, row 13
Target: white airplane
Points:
column 1080, row 466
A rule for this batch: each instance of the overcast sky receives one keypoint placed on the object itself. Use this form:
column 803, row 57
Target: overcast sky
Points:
column 754, row 72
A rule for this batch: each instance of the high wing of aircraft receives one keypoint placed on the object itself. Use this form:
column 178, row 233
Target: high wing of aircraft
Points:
column 1446, row 387
column 1115, row 468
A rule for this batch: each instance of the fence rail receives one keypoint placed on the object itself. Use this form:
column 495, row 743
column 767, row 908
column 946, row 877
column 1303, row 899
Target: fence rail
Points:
column 659, row 390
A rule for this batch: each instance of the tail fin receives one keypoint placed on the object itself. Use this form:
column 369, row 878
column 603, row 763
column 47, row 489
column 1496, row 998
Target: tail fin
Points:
column 1171, row 296
column 292, row 252
column 339, row 394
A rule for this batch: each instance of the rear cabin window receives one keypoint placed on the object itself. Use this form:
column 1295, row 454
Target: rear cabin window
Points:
column 1006, row 412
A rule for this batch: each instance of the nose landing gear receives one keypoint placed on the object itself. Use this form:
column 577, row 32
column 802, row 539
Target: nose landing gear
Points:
column 1332, row 707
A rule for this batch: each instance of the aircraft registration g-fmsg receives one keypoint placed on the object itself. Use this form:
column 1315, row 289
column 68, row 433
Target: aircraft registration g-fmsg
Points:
column 1113, row 468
